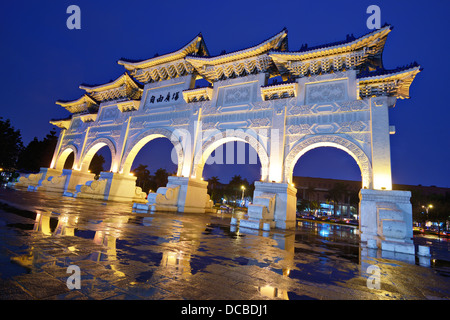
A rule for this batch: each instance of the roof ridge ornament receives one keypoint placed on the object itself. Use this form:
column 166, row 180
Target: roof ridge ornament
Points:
column 193, row 46
column 166, row 66
column 237, row 63
column 124, row 87
column 352, row 53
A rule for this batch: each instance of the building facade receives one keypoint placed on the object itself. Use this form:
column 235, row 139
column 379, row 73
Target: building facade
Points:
column 318, row 190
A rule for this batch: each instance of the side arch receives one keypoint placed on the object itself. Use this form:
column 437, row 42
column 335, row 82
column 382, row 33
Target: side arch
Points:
column 339, row 142
column 92, row 149
column 141, row 140
column 63, row 154
column 222, row 137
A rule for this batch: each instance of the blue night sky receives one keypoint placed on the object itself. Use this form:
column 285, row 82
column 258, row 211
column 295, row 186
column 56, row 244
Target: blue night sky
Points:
column 43, row 61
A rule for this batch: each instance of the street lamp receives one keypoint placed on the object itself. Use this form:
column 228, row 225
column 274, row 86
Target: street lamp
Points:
column 430, row 206
column 242, row 200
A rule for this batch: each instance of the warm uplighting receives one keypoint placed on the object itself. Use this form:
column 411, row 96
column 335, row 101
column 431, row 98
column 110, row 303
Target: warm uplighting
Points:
column 382, row 182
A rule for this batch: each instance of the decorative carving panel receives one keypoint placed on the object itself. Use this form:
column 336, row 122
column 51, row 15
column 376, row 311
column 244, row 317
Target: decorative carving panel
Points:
column 326, row 92
column 237, row 95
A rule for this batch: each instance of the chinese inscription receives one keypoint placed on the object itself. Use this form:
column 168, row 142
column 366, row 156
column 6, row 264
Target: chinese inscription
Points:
column 167, row 97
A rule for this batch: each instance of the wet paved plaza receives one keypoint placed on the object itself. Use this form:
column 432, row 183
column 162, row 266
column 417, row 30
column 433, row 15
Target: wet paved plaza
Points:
column 127, row 255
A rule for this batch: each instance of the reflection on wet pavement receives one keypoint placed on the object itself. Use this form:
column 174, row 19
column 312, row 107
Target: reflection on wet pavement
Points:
column 129, row 255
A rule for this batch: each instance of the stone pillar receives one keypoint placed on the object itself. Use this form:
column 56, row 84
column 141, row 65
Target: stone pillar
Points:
column 381, row 150
column 58, row 148
column 386, row 220
column 276, row 147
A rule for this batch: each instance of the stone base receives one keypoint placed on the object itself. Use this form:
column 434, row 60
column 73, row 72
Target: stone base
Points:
column 386, row 220
column 274, row 207
column 181, row 194
column 110, row 186
column 65, row 181
column 285, row 206
column 399, row 247
column 34, row 180
column 261, row 224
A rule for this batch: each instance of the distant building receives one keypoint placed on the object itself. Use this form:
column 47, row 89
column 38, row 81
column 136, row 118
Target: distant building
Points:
column 317, row 189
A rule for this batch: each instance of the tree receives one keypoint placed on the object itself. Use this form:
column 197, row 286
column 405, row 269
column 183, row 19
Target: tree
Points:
column 314, row 206
column 10, row 144
column 441, row 209
column 418, row 199
column 354, row 200
column 143, row 178
column 302, row 205
column 212, row 185
column 310, row 192
column 96, row 165
column 336, row 193
column 160, row 178
column 37, row 153
column 234, row 188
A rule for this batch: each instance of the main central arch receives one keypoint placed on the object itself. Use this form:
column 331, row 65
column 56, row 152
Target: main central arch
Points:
column 335, row 95
column 219, row 138
column 336, row 141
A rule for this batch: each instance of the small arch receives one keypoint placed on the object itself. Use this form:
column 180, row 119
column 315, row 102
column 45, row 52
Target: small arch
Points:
column 92, row 149
column 138, row 143
column 223, row 137
column 62, row 157
column 335, row 141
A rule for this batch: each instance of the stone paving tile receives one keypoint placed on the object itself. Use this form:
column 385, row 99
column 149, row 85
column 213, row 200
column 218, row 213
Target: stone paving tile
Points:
column 10, row 290
column 173, row 256
column 41, row 285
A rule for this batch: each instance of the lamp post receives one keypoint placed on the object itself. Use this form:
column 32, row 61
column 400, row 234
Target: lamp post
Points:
column 430, row 206
column 242, row 200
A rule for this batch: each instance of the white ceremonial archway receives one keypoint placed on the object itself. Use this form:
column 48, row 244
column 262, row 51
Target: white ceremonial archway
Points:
column 337, row 95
